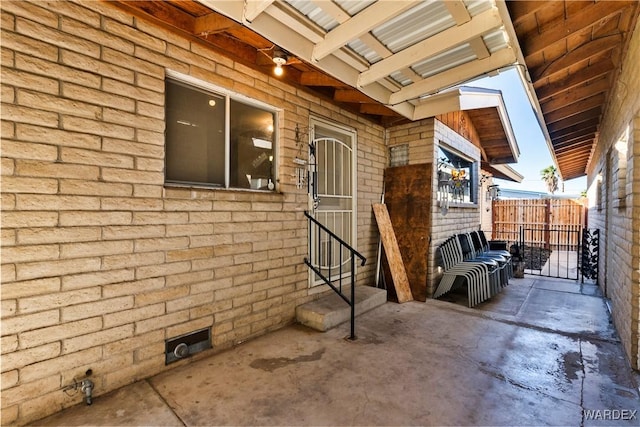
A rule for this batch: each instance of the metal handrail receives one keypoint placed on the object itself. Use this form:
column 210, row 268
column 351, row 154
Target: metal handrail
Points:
column 327, row 280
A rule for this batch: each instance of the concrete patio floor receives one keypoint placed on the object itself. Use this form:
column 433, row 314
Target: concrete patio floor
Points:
column 543, row 352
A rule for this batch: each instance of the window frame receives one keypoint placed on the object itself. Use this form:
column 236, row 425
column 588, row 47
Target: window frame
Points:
column 473, row 180
column 228, row 95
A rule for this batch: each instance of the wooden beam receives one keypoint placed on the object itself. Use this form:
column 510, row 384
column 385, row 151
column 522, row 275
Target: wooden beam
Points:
column 391, row 249
column 213, row 23
column 316, row 78
column 580, row 54
column 453, row 76
column 253, row 8
column 458, row 10
column 592, row 72
column 434, row 45
column 590, row 15
column 359, row 24
column 352, row 95
column 333, row 9
column 377, row 109
column 479, row 48
column 382, row 50
column 162, row 11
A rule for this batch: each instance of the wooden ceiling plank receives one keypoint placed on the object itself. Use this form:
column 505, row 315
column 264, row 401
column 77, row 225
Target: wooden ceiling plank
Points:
column 575, row 160
column 582, row 128
column 575, row 95
column 584, row 116
column 522, row 10
column 577, row 108
column 163, row 12
column 585, row 75
column 359, row 24
column 582, row 135
column 438, row 43
column 588, row 16
column 458, row 10
column 584, row 146
column 583, row 53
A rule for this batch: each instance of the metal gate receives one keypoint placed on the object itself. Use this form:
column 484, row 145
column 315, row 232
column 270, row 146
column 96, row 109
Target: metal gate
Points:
column 567, row 252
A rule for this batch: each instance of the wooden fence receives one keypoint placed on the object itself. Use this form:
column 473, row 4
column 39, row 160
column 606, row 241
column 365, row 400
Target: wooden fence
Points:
column 552, row 223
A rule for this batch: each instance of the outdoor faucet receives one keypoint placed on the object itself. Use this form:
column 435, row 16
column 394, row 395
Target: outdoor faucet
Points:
column 87, row 389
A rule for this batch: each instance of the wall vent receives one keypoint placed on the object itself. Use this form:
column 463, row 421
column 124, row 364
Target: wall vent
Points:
column 186, row 345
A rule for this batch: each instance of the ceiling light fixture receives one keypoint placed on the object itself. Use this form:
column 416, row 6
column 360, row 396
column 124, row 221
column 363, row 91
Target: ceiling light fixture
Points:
column 280, row 59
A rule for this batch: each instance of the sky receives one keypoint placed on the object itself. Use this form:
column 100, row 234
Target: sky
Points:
column 534, row 152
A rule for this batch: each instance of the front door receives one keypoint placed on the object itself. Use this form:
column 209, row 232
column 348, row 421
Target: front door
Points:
column 332, row 196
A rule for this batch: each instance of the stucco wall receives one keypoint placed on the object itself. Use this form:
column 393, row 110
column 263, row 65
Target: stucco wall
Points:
column 101, row 262
column 618, row 213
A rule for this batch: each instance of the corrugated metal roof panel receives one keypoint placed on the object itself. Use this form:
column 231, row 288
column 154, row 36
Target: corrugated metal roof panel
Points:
column 476, row 7
column 401, row 79
column 495, row 40
column 314, row 13
column 353, row 7
column 444, row 61
column 364, row 51
column 415, row 25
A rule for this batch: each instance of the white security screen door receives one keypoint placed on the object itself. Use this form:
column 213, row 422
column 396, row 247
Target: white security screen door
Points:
column 332, row 196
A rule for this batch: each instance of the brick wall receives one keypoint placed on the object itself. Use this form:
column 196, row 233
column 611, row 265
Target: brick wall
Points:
column 423, row 138
column 459, row 219
column 100, row 261
column 618, row 217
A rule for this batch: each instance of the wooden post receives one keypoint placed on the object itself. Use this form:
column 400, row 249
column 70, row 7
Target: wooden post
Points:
column 547, row 221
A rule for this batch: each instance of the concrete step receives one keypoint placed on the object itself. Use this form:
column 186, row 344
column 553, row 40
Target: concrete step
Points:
column 331, row 310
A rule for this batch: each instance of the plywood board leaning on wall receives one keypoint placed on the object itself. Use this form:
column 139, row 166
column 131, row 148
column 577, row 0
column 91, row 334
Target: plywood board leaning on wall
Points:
column 392, row 252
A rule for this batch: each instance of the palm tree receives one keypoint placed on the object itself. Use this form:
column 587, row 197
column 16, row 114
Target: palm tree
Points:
column 550, row 177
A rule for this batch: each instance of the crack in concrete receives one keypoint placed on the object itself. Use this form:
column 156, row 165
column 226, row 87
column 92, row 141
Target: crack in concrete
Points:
column 171, row 408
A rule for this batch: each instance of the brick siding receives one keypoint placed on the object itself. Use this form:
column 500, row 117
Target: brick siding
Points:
column 101, row 262
column 618, row 217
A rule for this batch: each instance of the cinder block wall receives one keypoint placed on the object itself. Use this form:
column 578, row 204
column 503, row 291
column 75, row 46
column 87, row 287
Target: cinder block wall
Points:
column 100, row 261
column 618, row 216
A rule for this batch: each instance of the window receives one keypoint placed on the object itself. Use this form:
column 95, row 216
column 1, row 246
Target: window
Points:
column 217, row 140
column 456, row 178
column 399, row 155
column 619, row 162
